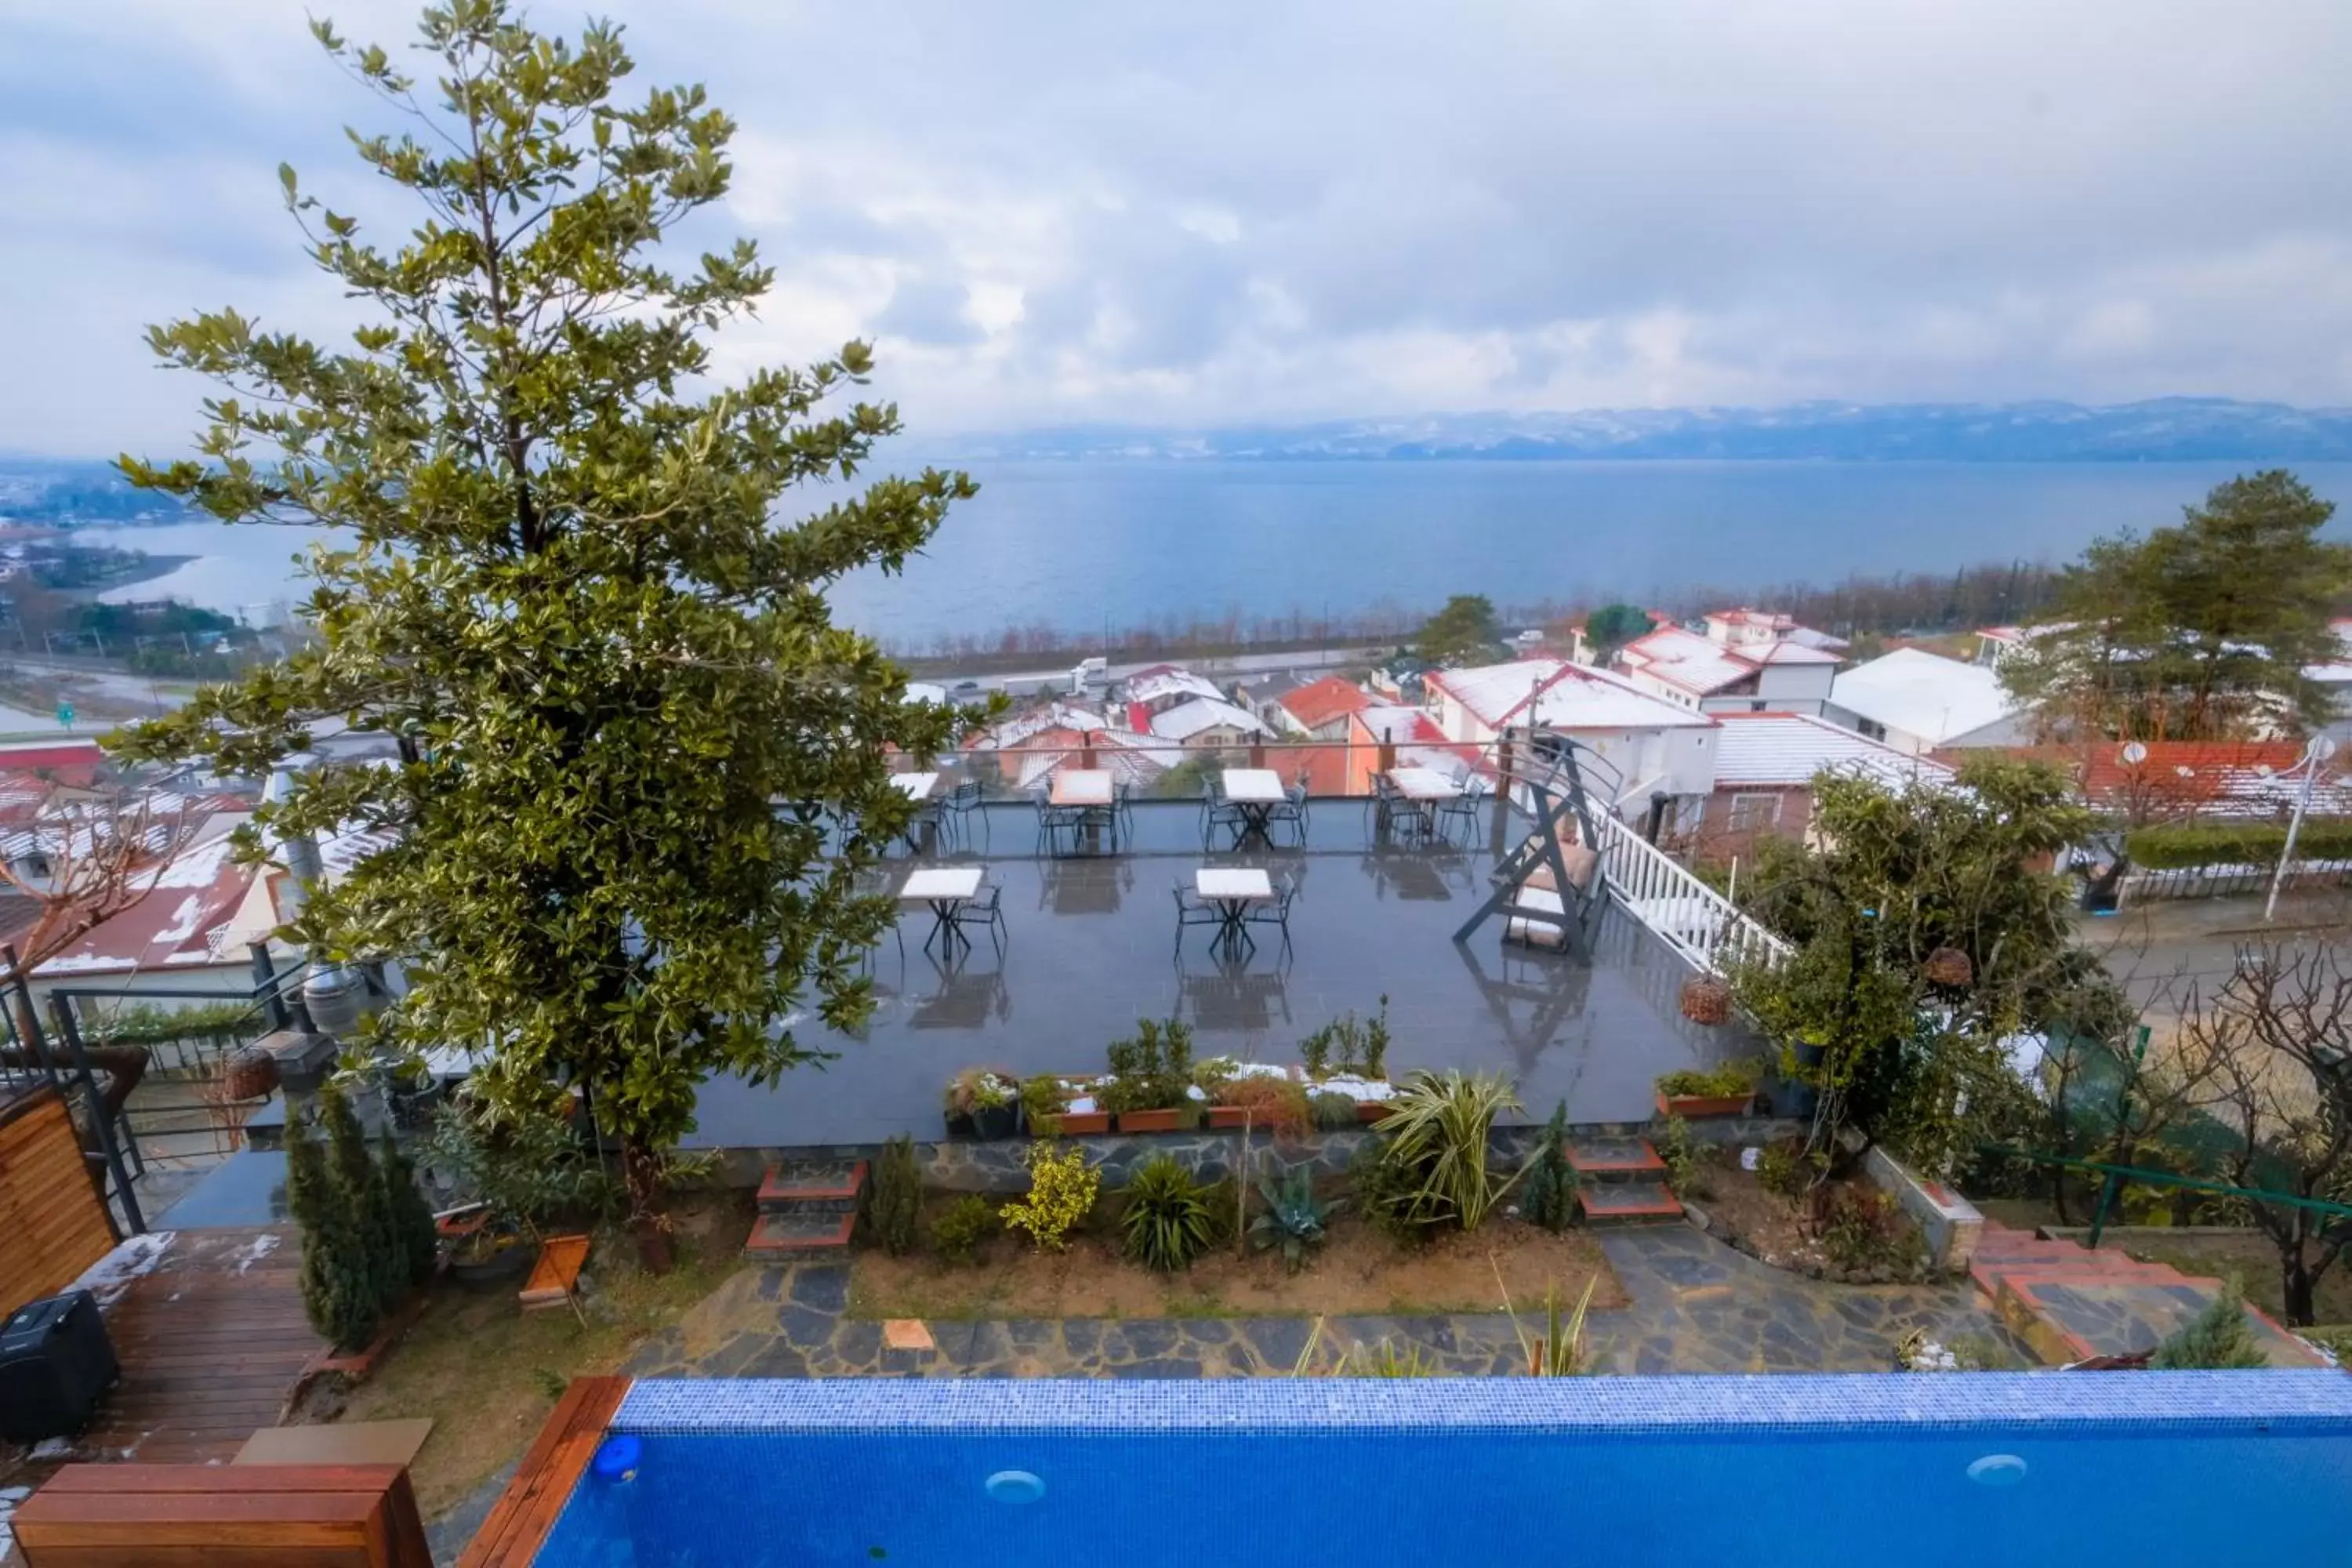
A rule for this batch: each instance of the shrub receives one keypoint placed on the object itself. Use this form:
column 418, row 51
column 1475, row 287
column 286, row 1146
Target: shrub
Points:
column 1275, row 1105
column 337, row 1280
column 412, row 1215
column 1295, row 1218
column 1782, row 1168
column 1333, row 1111
column 1862, row 1230
column 898, row 1194
column 1686, row 1159
column 1349, row 1046
column 362, row 1200
column 961, row 1227
column 1384, row 1188
column 1062, row 1192
column 1167, row 1221
column 1438, row 1126
column 1041, row 1103
column 2168, row 846
column 1714, row 1083
column 1153, row 1071
column 1548, row 1182
column 2218, row 1338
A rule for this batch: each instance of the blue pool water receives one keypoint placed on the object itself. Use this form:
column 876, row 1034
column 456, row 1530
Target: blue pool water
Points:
column 2070, row 1471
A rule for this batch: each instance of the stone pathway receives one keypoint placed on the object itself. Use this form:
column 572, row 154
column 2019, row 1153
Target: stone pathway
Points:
column 1697, row 1306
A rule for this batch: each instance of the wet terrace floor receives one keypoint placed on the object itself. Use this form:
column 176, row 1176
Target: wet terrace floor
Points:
column 1089, row 947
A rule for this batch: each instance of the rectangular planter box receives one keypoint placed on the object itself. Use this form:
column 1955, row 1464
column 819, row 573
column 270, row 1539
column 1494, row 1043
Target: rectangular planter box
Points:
column 1168, row 1120
column 1690, row 1105
column 1082, row 1124
column 1371, row 1110
column 1230, row 1116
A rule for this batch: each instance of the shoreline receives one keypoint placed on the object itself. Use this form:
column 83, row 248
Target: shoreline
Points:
column 149, row 569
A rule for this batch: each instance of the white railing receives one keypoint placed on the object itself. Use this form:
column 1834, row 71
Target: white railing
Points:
column 1692, row 918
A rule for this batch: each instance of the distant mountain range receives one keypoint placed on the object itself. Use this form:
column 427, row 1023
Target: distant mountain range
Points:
column 2171, row 429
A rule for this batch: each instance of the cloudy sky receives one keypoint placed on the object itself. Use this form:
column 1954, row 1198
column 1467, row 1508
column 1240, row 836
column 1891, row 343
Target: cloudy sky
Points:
column 1217, row 212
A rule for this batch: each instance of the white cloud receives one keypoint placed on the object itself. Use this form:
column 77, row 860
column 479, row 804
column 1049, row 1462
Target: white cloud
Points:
column 1230, row 211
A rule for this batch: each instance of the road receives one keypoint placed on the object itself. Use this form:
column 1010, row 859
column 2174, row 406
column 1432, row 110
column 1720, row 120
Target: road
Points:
column 1024, row 681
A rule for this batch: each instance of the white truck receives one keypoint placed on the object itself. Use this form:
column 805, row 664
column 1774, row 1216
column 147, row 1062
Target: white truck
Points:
column 1087, row 674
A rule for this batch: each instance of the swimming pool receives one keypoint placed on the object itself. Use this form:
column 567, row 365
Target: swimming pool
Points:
column 2051, row 1471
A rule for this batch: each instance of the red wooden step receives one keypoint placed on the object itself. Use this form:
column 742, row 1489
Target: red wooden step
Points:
column 812, row 1184
column 786, row 1235
column 1628, row 1203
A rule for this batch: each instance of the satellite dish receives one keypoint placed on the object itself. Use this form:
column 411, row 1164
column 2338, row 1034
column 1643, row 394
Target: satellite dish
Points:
column 2133, row 753
column 2320, row 749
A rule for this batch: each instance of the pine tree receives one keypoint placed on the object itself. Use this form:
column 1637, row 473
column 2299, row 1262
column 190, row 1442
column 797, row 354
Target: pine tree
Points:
column 2219, row 1337
column 1548, row 1191
column 420, row 1244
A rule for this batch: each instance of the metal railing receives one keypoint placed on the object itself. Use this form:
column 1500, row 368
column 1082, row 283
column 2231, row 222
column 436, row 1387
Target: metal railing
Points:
column 1690, row 917
column 2112, row 1177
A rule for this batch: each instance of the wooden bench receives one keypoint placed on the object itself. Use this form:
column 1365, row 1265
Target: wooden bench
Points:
column 556, row 1276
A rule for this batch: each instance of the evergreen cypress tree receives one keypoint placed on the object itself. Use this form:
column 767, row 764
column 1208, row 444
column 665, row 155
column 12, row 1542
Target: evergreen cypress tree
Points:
column 1548, row 1191
column 336, row 1279
column 2219, row 1337
column 360, row 1196
column 420, row 1244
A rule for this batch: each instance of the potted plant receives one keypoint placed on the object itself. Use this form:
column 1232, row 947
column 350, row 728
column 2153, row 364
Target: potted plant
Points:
column 1268, row 1101
column 1350, row 1057
column 983, row 1103
column 1727, row 1090
column 1060, row 1107
column 1151, row 1088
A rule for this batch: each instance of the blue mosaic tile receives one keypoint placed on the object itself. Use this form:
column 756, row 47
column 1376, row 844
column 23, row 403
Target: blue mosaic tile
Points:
column 2212, row 1403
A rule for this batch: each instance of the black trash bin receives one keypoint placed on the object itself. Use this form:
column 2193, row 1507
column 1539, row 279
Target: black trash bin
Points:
column 56, row 1362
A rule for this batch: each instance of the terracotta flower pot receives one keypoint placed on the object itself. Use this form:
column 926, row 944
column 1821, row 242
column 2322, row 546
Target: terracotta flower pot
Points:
column 1232, row 1116
column 1084, row 1123
column 1171, row 1120
column 1689, row 1105
column 1371, row 1110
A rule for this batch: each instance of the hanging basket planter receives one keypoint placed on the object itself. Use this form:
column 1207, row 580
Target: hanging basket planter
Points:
column 1950, row 966
column 1706, row 999
column 250, row 1074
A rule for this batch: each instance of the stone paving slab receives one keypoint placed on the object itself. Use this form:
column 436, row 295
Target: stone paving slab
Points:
column 1697, row 1306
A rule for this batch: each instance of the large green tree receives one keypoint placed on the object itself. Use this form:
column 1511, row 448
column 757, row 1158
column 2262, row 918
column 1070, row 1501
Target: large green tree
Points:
column 624, row 713
column 1463, row 630
column 1893, row 877
column 2200, row 631
column 1612, row 626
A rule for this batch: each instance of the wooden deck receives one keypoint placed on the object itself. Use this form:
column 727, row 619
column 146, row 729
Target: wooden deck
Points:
column 212, row 1340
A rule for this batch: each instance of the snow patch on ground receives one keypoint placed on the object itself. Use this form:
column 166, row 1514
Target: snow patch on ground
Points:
column 9, row 1498
column 261, row 1247
column 114, row 1274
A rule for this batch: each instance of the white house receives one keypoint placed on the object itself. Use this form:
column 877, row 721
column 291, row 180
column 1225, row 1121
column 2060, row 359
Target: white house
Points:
column 1747, row 661
column 1917, row 701
column 1652, row 745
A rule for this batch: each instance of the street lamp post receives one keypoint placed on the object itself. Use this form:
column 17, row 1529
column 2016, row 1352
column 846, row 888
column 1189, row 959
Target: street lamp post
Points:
column 2314, row 756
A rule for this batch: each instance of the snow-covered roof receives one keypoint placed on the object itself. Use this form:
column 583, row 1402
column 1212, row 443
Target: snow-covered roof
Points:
column 1189, row 718
column 1560, row 695
column 1924, row 694
column 187, row 902
column 1686, row 660
column 1170, row 680
column 1013, row 732
column 1784, row 750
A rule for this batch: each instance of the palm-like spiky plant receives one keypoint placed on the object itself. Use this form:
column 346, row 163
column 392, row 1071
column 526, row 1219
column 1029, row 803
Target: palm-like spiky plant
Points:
column 1168, row 1221
column 1437, row 1126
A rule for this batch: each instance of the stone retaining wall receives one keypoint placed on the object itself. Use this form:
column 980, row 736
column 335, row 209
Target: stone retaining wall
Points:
column 970, row 1165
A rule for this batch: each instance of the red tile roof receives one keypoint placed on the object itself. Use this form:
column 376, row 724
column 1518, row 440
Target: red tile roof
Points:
column 68, row 761
column 1319, row 702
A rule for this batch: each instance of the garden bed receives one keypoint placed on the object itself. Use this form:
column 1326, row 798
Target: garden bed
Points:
column 1358, row 1270
column 488, row 1372
column 1744, row 1214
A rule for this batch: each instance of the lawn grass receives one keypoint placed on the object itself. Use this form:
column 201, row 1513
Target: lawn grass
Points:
column 487, row 1374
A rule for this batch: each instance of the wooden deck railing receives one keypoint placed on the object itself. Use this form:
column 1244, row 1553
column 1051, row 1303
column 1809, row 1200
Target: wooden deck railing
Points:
column 542, row 1484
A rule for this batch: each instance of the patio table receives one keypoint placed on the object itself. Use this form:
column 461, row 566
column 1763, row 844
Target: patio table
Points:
column 1255, row 792
column 1421, row 789
column 1232, row 889
column 1093, row 792
column 943, row 888
column 923, row 790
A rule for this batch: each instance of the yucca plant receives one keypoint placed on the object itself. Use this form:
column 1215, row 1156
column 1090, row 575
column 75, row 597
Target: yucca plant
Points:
column 1382, row 1360
column 1294, row 1217
column 1559, row 1351
column 1168, row 1221
column 1438, row 1126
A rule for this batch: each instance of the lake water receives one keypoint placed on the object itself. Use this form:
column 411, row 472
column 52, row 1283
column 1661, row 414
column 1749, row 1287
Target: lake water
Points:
column 1076, row 545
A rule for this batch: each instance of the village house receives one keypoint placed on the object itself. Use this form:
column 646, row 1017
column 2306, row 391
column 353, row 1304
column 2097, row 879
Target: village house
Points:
column 1917, row 701
column 1655, row 748
column 1765, row 766
column 1743, row 661
column 1320, row 709
column 1171, row 703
